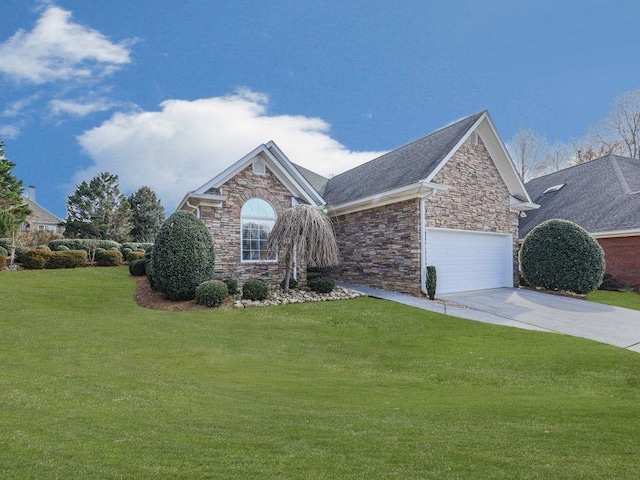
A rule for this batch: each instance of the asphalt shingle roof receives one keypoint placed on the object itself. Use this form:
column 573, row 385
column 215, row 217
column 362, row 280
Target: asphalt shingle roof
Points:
column 601, row 195
column 403, row 166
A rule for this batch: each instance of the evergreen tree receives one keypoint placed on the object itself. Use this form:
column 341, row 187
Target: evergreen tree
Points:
column 11, row 189
column 98, row 210
column 147, row 215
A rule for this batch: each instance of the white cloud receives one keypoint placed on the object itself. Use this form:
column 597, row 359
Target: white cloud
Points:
column 79, row 108
column 9, row 132
column 186, row 143
column 59, row 49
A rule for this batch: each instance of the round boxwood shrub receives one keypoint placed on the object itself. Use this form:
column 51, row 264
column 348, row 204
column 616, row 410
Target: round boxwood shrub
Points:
column 43, row 247
column 135, row 255
column 137, row 267
column 108, row 258
column 20, row 252
column 560, row 255
column 67, row 259
column 232, row 285
column 255, row 289
column 3, row 251
column 211, row 293
column 62, row 248
column 36, row 259
column 183, row 256
column 321, row 284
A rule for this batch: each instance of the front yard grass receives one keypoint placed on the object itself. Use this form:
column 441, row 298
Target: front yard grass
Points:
column 94, row 386
column 617, row 299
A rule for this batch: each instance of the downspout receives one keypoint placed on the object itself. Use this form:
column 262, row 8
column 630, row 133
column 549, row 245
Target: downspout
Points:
column 423, row 242
column 195, row 207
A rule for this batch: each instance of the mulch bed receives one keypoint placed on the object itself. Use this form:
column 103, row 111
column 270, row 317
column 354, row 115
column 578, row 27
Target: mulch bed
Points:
column 148, row 298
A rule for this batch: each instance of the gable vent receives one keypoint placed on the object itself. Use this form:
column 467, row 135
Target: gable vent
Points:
column 555, row 188
column 259, row 168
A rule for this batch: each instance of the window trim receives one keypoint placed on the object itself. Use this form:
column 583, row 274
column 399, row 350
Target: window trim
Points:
column 249, row 219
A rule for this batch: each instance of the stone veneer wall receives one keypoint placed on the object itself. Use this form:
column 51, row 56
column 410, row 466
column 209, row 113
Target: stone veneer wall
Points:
column 224, row 225
column 477, row 199
column 380, row 247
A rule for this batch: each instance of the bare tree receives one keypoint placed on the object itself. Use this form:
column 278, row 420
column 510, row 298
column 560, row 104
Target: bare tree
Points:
column 556, row 158
column 528, row 150
column 303, row 233
column 624, row 121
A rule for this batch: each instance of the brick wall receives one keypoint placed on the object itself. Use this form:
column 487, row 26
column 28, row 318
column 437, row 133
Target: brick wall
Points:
column 224, row 224
column 622, row 257
column 380, row 247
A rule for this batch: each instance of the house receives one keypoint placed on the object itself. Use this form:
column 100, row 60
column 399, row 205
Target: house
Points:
column 603, row 197
column 40, row 218
column 450, row 199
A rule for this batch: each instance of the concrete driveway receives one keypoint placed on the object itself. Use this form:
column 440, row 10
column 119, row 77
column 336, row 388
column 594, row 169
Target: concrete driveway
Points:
column 541, row 311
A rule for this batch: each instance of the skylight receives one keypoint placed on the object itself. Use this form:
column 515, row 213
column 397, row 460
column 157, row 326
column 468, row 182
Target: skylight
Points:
column 555, row 188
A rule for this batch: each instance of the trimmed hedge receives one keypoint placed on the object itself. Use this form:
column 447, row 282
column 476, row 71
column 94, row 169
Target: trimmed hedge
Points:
column 36, row 259
column 3, row 261
column 133, row 246
column 20, row 251
column 130, row 256
column 255, row 289
column 3, row 251
column 232, row 285
column 137, row 267
column 108, row 258
column 89, row 245
column 321, row 284
column 67, row 259
column 560, row 255
column 6, row 243
column 183, row 256
column 211, row 293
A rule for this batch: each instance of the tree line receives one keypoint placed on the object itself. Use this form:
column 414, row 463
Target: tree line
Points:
column 617, row 133
column 96, row 209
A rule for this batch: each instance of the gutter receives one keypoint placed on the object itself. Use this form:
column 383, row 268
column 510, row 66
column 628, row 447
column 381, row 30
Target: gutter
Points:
column 423, row 241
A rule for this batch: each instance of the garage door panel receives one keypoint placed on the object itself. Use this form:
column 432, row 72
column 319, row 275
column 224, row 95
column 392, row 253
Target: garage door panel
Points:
column 467, row 260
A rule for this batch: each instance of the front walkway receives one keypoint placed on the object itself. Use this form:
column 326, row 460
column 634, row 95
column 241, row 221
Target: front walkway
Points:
column 531, row 310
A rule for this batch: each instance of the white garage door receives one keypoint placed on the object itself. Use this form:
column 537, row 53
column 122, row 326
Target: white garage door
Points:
column 467, row 260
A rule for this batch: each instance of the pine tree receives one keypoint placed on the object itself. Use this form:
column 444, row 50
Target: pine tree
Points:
column 147, row 215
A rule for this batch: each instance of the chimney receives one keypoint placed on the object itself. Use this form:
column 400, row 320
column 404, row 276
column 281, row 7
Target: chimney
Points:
column 31, row 193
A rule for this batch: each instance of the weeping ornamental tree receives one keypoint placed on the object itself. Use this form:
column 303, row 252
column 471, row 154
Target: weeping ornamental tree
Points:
column 305, row 234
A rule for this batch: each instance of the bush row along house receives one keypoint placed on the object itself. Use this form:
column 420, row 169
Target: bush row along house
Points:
column 450, row 199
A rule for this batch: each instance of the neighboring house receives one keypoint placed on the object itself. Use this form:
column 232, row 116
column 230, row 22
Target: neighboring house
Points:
column 450, row 199
column 40, row 218
column 603, row 197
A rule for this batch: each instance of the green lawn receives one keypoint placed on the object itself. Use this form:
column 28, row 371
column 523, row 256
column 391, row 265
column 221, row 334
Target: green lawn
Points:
column 617, row 299
column 93, row 386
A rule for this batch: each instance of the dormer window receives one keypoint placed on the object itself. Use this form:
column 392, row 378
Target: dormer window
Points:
column 555, row 188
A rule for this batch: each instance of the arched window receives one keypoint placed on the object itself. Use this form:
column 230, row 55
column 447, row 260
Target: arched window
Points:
column 257, row 220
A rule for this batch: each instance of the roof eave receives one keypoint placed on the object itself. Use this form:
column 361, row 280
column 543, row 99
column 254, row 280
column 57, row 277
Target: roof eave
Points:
column 407, row 192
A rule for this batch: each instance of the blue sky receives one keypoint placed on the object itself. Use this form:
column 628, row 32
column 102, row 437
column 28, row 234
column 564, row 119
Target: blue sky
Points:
column 168, row 93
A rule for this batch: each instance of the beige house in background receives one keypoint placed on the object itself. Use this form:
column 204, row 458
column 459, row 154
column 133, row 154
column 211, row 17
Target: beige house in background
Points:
column 40, row 219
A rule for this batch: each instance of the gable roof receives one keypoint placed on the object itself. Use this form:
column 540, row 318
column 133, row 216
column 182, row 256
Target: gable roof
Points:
column 417, row 163
column 39, row 214
column 278, row 163
column 602, row 196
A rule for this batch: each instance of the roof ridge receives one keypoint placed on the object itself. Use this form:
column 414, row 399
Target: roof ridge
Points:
column 619, row 174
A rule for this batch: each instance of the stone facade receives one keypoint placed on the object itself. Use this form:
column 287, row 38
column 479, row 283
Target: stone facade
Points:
column 477, row 199
column 224, row 224
column 380, row 247
column 622, row 259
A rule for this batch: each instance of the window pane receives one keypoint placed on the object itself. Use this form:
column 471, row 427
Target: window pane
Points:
column 257, row 218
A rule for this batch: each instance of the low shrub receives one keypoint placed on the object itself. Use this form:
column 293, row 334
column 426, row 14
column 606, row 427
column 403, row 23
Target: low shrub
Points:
column 232, row 285
column 293, row 283
column 432, row 280
column 19, row 254
column 62, row 248
column 135, row 255
column 89, row 245
column 211, row 293
column 609, row 282
column 133, row 246
column 43, row 247
column 108, row 258
column 126, row 251
column 137, row 267
column 4, row 252
column 255, row 289
column 148, row 252
column 321, row 284
column 6, row 243
column 36, row 259
column 67, row 259
column 3, row 261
